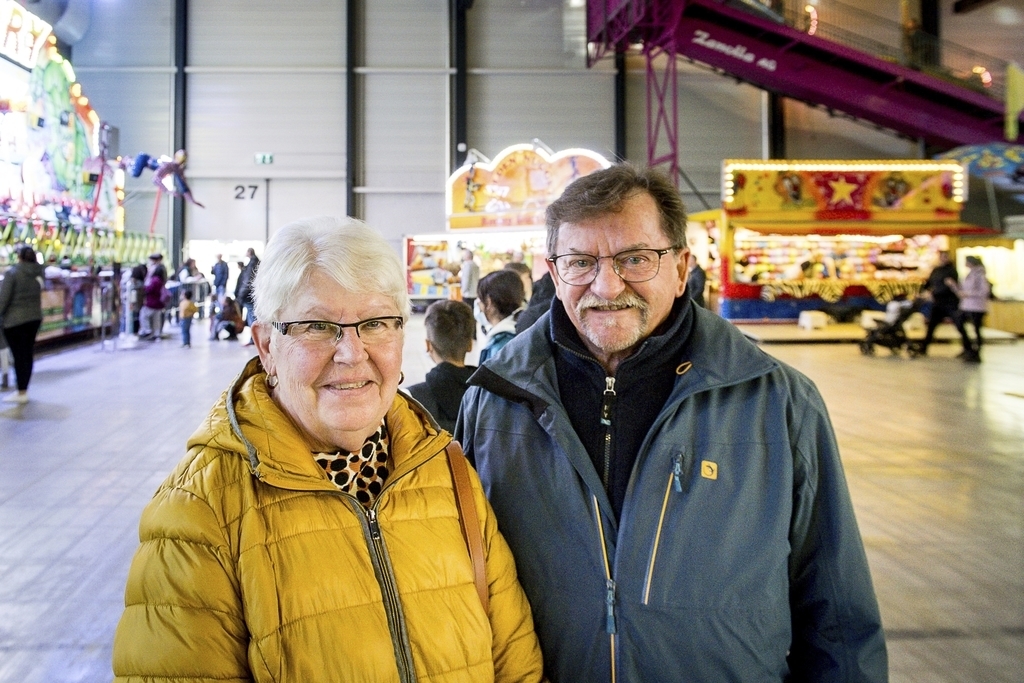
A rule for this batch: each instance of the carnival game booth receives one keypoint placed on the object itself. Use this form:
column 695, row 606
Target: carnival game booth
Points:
column 80, row 288
column 842, row 235
column 495, row 209
column 58, row 191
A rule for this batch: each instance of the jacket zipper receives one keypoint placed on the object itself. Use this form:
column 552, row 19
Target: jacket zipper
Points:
column 606, row 419
column 674, row 482
column 392, row 604
column 609, row 597
column 381, row 562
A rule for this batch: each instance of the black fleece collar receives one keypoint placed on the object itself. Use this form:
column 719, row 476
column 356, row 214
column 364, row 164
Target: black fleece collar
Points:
column 663, row 347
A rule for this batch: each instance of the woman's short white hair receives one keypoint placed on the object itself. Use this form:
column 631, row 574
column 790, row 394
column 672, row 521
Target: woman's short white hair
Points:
column 353, row 254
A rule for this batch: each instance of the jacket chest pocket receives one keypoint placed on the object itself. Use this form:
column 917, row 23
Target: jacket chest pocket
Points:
column 720, row 537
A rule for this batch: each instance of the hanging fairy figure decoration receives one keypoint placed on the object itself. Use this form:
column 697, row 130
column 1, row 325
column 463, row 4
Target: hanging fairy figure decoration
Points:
column 168, row 176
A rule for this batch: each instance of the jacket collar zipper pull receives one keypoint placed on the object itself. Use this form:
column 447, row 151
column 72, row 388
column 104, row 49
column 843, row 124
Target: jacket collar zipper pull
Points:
column 606, row 403
column 606, row 422
column 371, row 517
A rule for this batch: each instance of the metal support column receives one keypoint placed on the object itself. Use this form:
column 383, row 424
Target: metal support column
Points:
column 458, row 102
column 931, row 25
column 180, row 126
column 353, row 113
column 776, row 126
column 930, row 22
column 620, row 106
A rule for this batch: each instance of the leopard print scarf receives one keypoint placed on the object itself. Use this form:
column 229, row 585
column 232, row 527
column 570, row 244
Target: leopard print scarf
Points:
column 361, row 474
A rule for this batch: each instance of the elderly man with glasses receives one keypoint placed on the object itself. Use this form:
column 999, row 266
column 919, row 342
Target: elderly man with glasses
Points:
column 673, row 496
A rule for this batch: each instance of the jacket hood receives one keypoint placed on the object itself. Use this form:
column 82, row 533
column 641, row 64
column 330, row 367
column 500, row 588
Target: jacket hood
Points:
column 246, row 420
column 719, row 353
column 507, row 324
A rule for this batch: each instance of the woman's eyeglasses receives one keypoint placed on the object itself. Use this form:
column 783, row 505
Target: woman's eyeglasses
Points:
column 632, row 265
column 378, row 330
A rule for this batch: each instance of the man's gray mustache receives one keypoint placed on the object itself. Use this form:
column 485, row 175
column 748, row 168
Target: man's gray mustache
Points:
column 590, row 301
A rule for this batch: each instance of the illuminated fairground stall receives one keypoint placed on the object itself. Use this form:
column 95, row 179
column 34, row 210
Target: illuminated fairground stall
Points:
column 495, row 209
column 58, row 191
column 803, row 235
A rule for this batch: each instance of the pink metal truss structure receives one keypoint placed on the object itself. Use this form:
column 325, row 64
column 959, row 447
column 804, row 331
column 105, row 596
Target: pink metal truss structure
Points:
column 613, row 26
column 663, row 112
column 783, row 59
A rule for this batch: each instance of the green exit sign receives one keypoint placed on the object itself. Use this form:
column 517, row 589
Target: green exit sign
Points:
column 264, row 158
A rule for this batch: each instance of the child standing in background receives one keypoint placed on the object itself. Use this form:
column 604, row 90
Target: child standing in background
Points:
column 186, row 309
column 449, row 326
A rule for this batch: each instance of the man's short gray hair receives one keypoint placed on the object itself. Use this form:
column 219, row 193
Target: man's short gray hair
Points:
column 605, row 191
column 346, row 250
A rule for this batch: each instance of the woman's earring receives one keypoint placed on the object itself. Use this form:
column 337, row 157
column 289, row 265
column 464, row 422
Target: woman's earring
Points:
column 401, row 376
column 271, row 381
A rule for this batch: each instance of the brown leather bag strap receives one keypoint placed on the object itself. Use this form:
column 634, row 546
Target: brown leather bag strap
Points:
column 468, row 519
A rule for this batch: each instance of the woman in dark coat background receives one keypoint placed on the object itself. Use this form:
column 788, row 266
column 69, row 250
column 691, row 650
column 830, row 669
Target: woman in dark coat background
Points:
column 21, row 310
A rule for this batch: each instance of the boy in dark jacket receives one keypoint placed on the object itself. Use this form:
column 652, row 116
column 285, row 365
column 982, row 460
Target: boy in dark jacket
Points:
column 450, row 327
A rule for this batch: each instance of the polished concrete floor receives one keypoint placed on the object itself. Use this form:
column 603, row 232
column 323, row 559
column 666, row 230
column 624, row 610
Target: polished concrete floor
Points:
column 933, row 448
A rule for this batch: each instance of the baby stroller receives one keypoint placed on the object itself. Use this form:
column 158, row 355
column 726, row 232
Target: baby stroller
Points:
column 890, row 334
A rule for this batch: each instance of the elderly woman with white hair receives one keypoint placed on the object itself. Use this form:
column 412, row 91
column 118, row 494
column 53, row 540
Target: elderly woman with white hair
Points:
column 317, row 529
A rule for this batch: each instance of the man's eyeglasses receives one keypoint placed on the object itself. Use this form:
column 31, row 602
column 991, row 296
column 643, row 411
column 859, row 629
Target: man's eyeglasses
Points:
column 378, row 330
column 632, row 265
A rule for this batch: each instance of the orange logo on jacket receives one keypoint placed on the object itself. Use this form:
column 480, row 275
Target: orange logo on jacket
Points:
column 708, row 469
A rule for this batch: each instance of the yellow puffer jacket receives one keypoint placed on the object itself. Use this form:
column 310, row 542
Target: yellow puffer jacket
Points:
column 254, row 567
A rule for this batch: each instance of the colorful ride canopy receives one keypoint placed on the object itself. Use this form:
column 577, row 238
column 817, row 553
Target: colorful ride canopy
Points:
column 52, row 167
column 992, row 160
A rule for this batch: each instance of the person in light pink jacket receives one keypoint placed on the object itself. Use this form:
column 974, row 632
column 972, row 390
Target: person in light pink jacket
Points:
column 974, row 293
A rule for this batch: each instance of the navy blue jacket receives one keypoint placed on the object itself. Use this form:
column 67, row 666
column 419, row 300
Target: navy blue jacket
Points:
column 220, row 274
column 736, row 556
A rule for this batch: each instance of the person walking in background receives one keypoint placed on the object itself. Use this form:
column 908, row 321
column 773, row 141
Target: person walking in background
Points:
column 220, row 277
column 191, row 279
column 500, row 299
column 189, row 272
column 154, row 299
column 313, row 531
column 945, row 302
column 974, row 293
column 696, row 281
column 449, row 327
column 136, row 296
column 186, row 310
column 469, row 276
column 21, row 310
column 243, row 289
column 673, row 496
